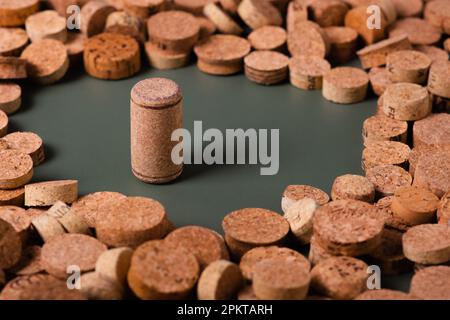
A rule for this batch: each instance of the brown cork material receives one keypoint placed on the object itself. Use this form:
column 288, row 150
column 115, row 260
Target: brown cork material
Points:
column 433, row 52
column 308, row 39
column 112, row 56
column 13, row 68
column 293, row 193
column 438, row 82
column 127, row 24
column 382, row 128
column 75, row 47
column 192, row 6
column 406, row 101
column 221, row 280
column 49, row 192
column 164, row 59
column 380, row 79
column 408, row 66
column 4, row 121
column 46, row 24
column 95, row 287
column 12, row 41
column 357, row 18
column 113, row 265
column 16, row 169
column 230, row 5
column 256, row 255
column 13, row 13
column 13, row 197
column 203, row 243
column 3, row 144
column 156, row 108
column 71, row 222
column 328, row 12
column 10, row 97
column 47, row 60
column 432, row 283
column 432, row 131
column 388, row 178
column 93, row 17
column 30, row 262
column 28, row 143
column 143, row 9
column 247, row 293
column 131, row 221
column 297, row 12
column 256, row 13
column 268, row 38
column 10, row 245
column 18, row 218
column 300, row 217
column 384, row 294
column 207, row 27
column 345, row 85
column 447, row 45
column 159, row 271
column 351, row 186
column 432, row 172
column 383, row 206
column 223, row 21
column 61, row 6
column 307, row 72
column 408, row 8
column 343, row 43
column 317, row 253
column 266, row 67
column 58, row 210
column 437, row 13
column 418, row 31
column 47, row 227
column 443, row 212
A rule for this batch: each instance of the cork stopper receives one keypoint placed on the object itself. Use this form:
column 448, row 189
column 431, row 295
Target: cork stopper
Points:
column 431, row 283
column 12, row 41
column 384, row 294
column 221, row 280
column 10, row 97
column 156, row 93
column 419, row 31
column 10, row 245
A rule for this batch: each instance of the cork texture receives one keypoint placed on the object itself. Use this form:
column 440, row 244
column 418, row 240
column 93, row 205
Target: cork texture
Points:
column 10, row 97
column 432, row 283
column 49, row 192
column 418, row 31
column 16, row 169
column 268, row 38
column 221, row 280
column 12, row 41
column 388, row 178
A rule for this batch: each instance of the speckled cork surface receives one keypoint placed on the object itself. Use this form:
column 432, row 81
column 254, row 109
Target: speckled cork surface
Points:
column 268, row 38
column 418, row 31
column 222, row 48
column 156, row 92
column 432, row 283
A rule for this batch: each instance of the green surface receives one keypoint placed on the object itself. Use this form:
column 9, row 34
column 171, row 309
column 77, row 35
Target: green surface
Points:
column 85, row 125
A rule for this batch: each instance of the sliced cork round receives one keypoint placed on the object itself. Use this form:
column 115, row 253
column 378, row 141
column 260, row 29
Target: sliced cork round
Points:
column 357, row 18
column 352, row 186
column 10, row 245
column 223, row 21
column 257, row 14
column 268, row 38
column 343, row 43
column 382, row 128
column 75, row 47
column 379, row 153
column 443, row 212
column 16, row 169
column 406, row 101
column 127, row 24
column 113, row 265
column 4, row 121
column 384, row 294
column 438, row 81
column 293, row 193
column 165, row 60
column 345, row 85
column 433, row 52
column 203, row 243
column 388, row 178
column 419, row 31
column 192, row 6
column 12, row 41
column 49, row 192
column 264, row 66
column 159, row 271
column 47, row 226
column 308, row 39
column 143, row 9
column 328, row 13
column 383, row 206
column 13, row 13
column 18, row 218
column 307, row 72
column 10, row 97
column 437, row 12
column 47, row 61
column 28, row 143
column 431, row 283
column 300, row 217
column 221, row 280
column 131, row 221
column 256, row 255
column 93, row 17
column 14, row 197
column 46, row 24
column 408, row 8
column 432, row 172
column 247, row 294
column 207, row 27
column 95, row 287
column 30, row 262
column 13, row 68
column 379, row 80
column 408, row 66
column 432, row 131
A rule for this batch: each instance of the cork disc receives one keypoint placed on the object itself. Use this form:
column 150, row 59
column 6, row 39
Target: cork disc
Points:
column 255, row 226
column 406, row 101
column 307, row 72
column 256, row 255
column 256, row 13
column 223, row 21
column 437, row 12
column 354, row 187
column 308, row 39
column 408, row 8
column 70, row 249
column 14, row 197
column 204, row 244
column 340, row 36
column 16, row 169
column 160, row 271
column 266, row 62
column 379, row 79
column 383, row 206
column 293, row 193
column 433, row 52
column 13, row 68
column 47, row 193
column 46, row 24
column 384, row 294
column 17, row 217
column 221, row 280
column 418, row 31
column 388, row 178
column 30, row 262
column 408, row 66
column 444, row 209
column 268, row 38
column 15, row 12
column 439, row 82
column 345, row 85
column 156, row 92
column 94, row 287
column 47, row 60
column 418, row 152
column 382, row 128
column 432, row 172
column 193, row 6
column 433, row 130
column 10, row 245
column 28, row 143
column 12, row 41
column 222, row 48
column 432, row 283
column 89, row 206
column 10, row 97
column 379, row 153
column 3, row 123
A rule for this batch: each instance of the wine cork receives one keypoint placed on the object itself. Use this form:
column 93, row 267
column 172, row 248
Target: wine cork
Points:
column 13, row 13
column 207, row 28
column 18, row 219
column 447, row 45
column 131, row 221
column 10, row 97
column 230, row 5
column 308, row 39
column 268, row 38
column 408, row 8
column 384, row 294
column 348, row 227
column 345, row 85
column 432, row 131
column 47, row 60
column 379, row 153
column 10, row 245
column 49, row 192
column 408, row 66
column 343, row 43
column 95, row 287
column 143, row 9
column 280, row 279
column 47, row 227
column 158, row 271
column 93, row 17
column 257, row 13
column 112, row 56
column 388, row 178
column 165, row 60
column 357, row 18
column 224, row 22
column 73, row 223
column 437, row 13
column 46, row 24
column 351, row 186
column 383, row 206
column 419, row 32
column 3, row 125
column 13, row 68
column 431, row 283
column 156, row 111
column 443, row 212
column 266, row 67
column 113, row 265
column 375, row 55
column 13, row 197
column 439, row 80
column 16, row 169
column 247, row 293
column 75, row 47
column 127, row 24
column 222, row 54
column 300, row 218
column 28, row 143
column 297, row 12
column 12, row 41
column 30, row 262
column 380, row 79
column 58, row 210
column 203, row 243
column 307, row 72
column 433, row 52
column 382, row 128
column 317, row 253
column 66, row 250
column 173, row 30
column 256, row 255
column 294, row 193
column 221, row 280
column 89, row 206
column 328, row 12
column 432, row 172
column 406, row 101
column 192, row 6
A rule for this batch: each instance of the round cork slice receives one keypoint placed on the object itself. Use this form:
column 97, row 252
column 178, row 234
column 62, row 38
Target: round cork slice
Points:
column 280, row 279
column 13, row 68
column 388, row 178
column 165, row 60
column 207, row 27
column 432, row 131
column 112, row 56
column 345, row 85
column 47, row 60
column 49, row 192
column 447, row 45
column 223, row 21
column 192, row 6
column 47, row 226
column 93, row 17
column 382, row 128
column 408, row 8
column 328, row 13
column 173, row 30
column 3, row 124
column 143, row 9
column 94, row 287
column 70, row 250
column 28, row 143
column 131, row 221
column 427, row 244
column 379, row 153
column 406, row 101
column 10, row 97
column 384, row 294
column 18, row 218
column 127, row 24
column 418, row 31
column 438, row 82
column 308, row 39
column 437, row 12
column 16, row 169
column 75, row 47
column 13, row 197
column 348, row 227
column 443, row 212
column 113, row 265
column 293, row 193
column 256, row 255
column 203, row 243
column 408, row 66
column 266, row 64
column 247, row 293
column 318, row 253
column 351, row 186
column 30, row 262
column 307, row 72
column 341, row 278
column 46, row 24
column 268, row 38
column 432, row 283
column 12, row 41
column 257, row 14
column 221, row 280
column 343, row 43
column 10, row 245
column 432, row 172
column 13, row 13
column 383, row 206
column 160, row 271
column 433, row 52
column 415, row 205
column 300, row 217
column 380, row 79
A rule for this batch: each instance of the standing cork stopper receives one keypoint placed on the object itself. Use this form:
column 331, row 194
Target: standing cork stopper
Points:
column 406, row 101
column 156, row 111
column 408, row 66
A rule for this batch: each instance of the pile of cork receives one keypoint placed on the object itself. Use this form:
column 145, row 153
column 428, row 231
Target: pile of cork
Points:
column 106, row 245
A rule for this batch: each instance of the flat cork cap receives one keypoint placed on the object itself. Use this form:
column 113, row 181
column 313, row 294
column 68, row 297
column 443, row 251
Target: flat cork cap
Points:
column 173, row 25
column 156, row 93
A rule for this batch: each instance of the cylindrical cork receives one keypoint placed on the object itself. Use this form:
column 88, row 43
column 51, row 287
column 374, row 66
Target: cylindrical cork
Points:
column 406, row 101
column 408, row 66
column 156, row 111
column 439, row 79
